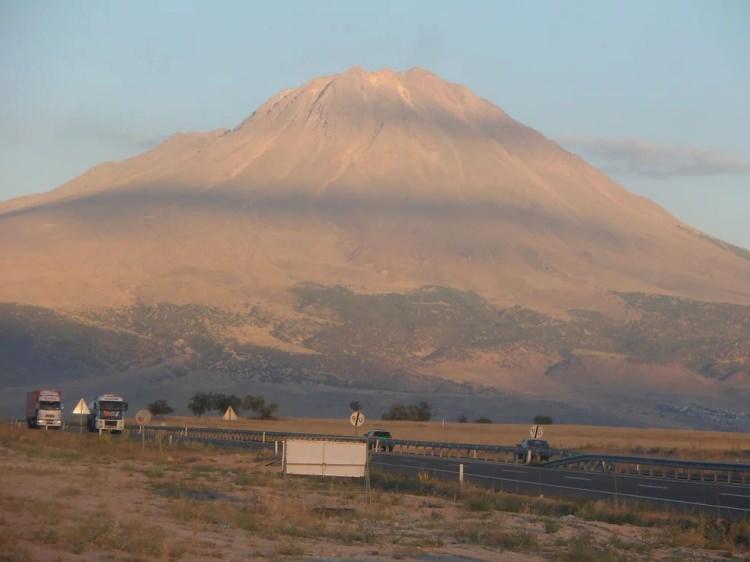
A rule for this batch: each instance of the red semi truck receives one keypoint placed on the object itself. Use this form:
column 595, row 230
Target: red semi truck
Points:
column 44, row 408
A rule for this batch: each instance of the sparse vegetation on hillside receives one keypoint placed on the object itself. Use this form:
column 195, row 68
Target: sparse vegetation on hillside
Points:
column 372, row 341
column 711, row 338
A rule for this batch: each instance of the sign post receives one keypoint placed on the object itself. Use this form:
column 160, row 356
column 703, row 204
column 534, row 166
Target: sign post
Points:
column 357, row 419
column 81, row 410
column 536, row 431
column 230, row 415
column 142, row 417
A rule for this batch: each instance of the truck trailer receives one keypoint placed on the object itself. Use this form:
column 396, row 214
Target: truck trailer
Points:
column 107, row 413
column 44, row 409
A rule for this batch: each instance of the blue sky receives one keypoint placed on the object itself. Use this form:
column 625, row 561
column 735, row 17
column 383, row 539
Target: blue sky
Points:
column 655, row 93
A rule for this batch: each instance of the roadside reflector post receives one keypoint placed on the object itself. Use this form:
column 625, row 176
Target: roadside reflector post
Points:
column 461, row 473
column 275, row 448
column 264, row 437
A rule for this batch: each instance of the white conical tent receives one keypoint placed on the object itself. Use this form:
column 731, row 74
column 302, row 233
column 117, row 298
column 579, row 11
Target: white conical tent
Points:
column 230, row 414
column 81, row 408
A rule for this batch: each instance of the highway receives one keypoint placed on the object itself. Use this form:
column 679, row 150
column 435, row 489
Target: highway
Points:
column 728, row 499
column 726, row 490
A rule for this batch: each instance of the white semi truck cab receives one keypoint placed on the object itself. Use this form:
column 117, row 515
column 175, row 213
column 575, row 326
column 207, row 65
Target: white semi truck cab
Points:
column 107, row 413
column 44, row 409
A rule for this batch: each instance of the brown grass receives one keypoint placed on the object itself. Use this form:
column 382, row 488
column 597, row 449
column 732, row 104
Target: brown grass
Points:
column 185, row 502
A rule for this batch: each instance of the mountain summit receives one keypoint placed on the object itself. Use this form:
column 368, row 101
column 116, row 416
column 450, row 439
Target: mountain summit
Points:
column 379, row 134
column 390, row 180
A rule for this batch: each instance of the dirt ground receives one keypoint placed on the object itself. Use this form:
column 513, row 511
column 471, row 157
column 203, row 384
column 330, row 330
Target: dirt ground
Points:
column 66, row 497
column 660, row 442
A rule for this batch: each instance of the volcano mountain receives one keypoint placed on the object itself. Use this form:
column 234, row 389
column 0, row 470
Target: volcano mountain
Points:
column 383, row 233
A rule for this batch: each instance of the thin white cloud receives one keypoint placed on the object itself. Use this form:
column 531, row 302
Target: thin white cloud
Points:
column 128, row 139
column 637, row 157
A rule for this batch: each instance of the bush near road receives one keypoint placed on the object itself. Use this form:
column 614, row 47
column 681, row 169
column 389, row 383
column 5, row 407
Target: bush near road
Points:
column 413, row 412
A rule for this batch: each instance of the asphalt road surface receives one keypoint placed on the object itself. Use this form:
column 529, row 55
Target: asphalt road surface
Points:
column 729, row 499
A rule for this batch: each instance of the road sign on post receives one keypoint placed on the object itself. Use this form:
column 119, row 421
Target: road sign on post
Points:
column 357, row 419
column 230, row 414
column 536, row 432
column 142, row 417
column 81, row 410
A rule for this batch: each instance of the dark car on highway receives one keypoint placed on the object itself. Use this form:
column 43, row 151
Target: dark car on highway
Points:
column 380, row 440
column 540, row 450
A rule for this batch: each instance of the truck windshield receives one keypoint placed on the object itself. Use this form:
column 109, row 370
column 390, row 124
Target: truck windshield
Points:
column 112, row 409
column 49, row 405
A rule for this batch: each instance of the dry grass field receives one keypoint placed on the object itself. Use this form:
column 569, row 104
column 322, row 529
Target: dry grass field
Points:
column 67, row 496
column 642, row 441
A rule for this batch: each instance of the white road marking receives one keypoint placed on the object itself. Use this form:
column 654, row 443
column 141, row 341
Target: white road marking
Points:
column 654, row 487
column 602, row 492
column 578, row 478
column 733, row 495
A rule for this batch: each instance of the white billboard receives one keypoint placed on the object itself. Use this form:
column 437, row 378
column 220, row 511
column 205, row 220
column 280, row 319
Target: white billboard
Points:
column 325, row 458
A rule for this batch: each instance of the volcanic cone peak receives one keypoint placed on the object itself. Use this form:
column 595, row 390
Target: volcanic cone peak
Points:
column 379, row 180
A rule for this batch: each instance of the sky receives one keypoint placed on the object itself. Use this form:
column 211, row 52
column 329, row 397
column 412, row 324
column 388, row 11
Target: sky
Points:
column 654, row 93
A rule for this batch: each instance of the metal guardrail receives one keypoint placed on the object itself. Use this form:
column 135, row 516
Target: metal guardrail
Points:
column 650, row 461
column 654, row 467
column 478, row 451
